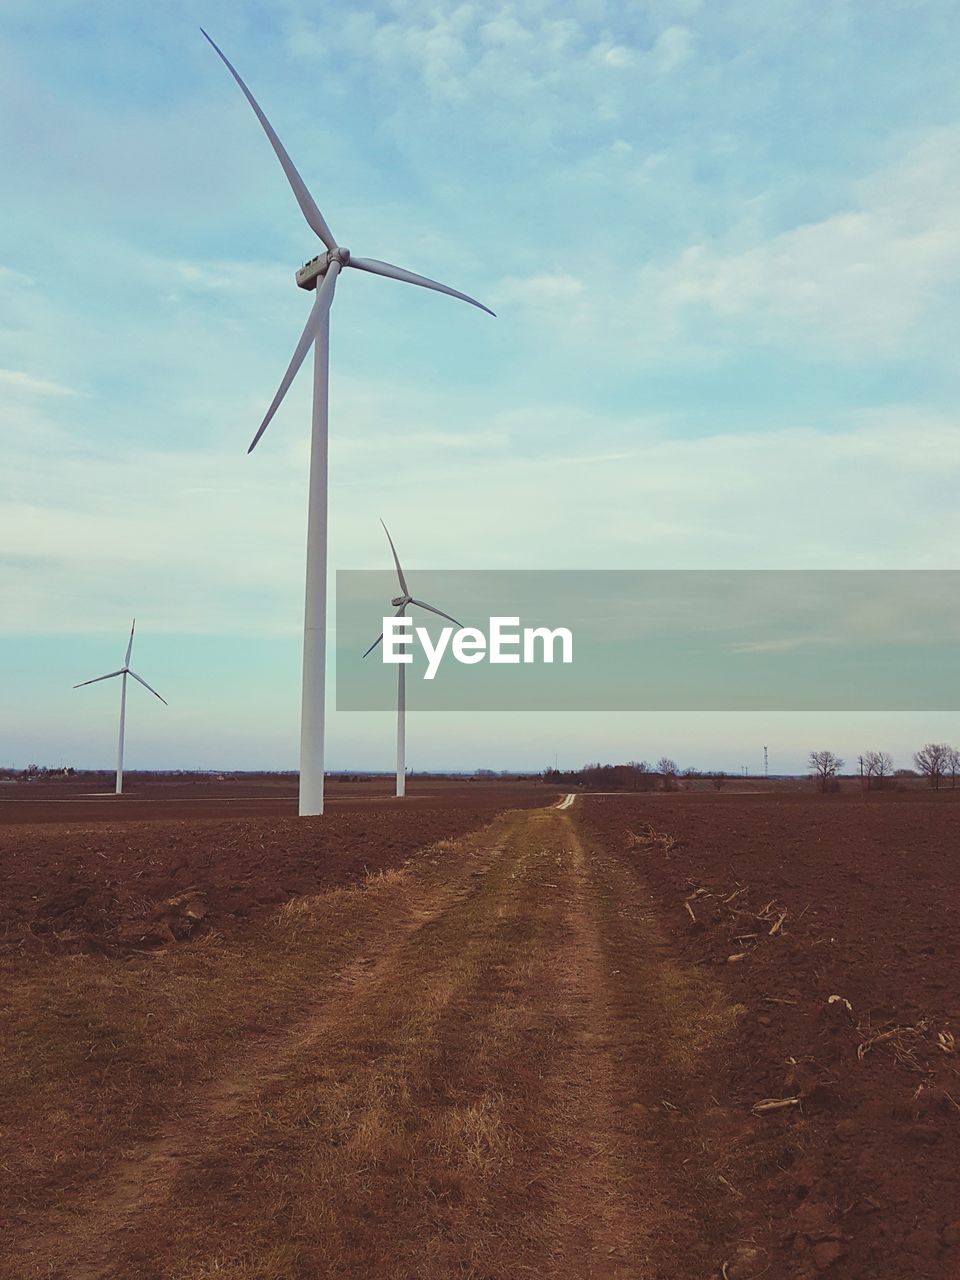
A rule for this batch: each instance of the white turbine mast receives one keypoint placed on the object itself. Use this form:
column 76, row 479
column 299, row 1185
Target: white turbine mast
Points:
column 123, row 673
column 320, row 273
column 401, row 603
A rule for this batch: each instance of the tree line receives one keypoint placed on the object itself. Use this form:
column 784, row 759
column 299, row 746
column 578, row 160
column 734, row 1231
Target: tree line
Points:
column 635, row 775
column 936, row 761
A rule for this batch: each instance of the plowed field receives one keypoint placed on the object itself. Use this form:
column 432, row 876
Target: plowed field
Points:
column 668, row 1037
column 835, row 922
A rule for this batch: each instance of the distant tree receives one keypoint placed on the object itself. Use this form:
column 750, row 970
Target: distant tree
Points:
column 640, row 776
column 667, row 770
column 719, row 778
column 934, row 761
column 825, row 766
column 877, row 765
column 954, row 765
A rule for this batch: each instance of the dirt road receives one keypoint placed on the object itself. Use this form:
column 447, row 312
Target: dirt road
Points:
column 501, row 1072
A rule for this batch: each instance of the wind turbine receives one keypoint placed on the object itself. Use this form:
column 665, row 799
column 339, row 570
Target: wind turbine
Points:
column 123, row 673
column 401, row 602
column 319, row 273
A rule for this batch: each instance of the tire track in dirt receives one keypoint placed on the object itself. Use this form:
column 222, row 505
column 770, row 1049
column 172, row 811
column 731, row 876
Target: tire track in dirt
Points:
column 670, row 1026
column 484, row 1093
column 610, row 1201
column 83, row 1245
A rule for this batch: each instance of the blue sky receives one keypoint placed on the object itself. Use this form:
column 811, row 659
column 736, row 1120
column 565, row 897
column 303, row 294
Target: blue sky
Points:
column 723, row 242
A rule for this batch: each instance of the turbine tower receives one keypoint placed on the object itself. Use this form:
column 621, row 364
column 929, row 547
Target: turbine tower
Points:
column 401, row 602
column 123, row 673
column 320, row 273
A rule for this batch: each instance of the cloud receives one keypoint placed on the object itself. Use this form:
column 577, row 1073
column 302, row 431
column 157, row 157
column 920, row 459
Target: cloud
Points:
column 17, row 380
column 672, row 48
column 870, row 280
column 771, row 646
column 8, row 276
column 540, row 291
column 616, row 55
column 211, row 541
column 857, row 282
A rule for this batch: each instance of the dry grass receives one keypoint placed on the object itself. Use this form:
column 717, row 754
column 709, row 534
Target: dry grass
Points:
column 96, row 1051
column 394, row 1135
column 483, row 1072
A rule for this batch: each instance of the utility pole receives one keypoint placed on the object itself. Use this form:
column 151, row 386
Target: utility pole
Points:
column 766, row 772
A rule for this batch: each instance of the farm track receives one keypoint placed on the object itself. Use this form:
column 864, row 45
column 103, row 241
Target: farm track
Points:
column 502, row 1078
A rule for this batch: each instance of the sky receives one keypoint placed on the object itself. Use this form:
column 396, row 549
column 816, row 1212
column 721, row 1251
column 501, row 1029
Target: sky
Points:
column 723, row 245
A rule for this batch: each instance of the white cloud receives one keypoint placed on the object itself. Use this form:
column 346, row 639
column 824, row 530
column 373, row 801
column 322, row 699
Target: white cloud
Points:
column 617, row 55
column 868, row 281
column 857, row 281
column 212, row 540
column 540, row 291
column 672, row 48
column 17, row 380
column 9, row 276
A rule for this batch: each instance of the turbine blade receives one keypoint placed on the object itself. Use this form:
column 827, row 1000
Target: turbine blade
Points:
column 126, row 661
column 373, row 646
column 402, row 609
column 439, row 612
column 398, row 273
column 304, row 199
column 141, row 680
column 318, row 313
column 396, row 560
column 108, row 676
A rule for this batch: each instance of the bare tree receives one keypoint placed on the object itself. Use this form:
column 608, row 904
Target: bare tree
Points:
column 954, row 765
column 825, row 766
column 933, row 761
column 642, row 778
column 877, row 765
column 667, row 769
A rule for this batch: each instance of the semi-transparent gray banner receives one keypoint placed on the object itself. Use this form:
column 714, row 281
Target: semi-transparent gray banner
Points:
column 665, row 640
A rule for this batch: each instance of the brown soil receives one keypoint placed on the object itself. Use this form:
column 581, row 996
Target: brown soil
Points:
column 94, row 884
column 861, row 1176
column 491, row 1075
column 524, row 1052
column 147, row 797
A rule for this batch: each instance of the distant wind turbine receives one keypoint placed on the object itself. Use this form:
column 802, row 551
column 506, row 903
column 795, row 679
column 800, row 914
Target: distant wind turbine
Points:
column 401, row 603
column 123, row 673
column 319, row 273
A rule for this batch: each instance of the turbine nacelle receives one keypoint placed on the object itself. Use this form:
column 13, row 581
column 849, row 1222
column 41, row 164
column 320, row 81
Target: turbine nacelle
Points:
column 314, row 270
column 397, row 601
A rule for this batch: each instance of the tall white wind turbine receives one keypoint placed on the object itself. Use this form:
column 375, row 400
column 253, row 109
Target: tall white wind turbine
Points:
column 401, row 603
column 123, row 673
column 319, row 273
